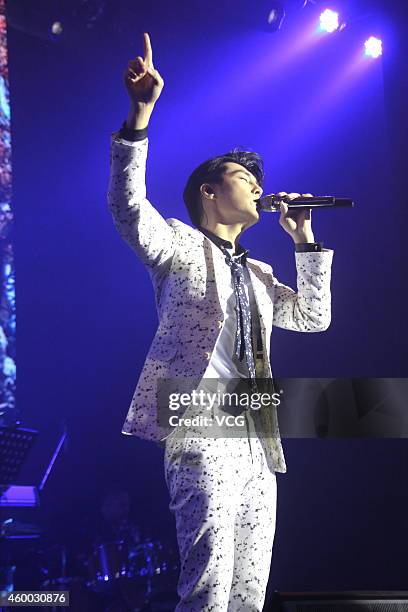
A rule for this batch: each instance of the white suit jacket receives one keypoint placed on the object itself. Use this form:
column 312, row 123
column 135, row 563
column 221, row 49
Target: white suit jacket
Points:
column 191, row 281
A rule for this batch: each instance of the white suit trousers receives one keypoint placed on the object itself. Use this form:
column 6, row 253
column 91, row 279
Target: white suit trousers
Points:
column 223, row 496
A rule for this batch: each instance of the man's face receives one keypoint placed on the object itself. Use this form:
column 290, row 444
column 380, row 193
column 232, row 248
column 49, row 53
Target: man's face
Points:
column 235, row 196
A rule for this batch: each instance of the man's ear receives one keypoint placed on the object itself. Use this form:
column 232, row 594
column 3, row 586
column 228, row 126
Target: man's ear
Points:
column 207, row 191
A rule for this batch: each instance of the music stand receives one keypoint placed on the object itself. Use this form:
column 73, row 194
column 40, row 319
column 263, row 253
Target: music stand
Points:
column 15, row 442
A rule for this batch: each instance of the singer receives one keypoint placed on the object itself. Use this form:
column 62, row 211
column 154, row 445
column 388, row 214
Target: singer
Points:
column 216, row 307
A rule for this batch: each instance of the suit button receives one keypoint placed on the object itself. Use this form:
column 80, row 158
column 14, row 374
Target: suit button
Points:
column 219, row 323
column 207, row 355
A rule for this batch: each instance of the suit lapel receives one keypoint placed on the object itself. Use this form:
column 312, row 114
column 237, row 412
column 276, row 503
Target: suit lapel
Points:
column 222, row 273
column 261, row 296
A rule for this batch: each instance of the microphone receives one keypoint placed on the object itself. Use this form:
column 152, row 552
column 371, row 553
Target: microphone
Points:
column 270, row 203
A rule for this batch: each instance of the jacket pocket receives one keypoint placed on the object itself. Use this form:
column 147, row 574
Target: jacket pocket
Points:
column 176, row 446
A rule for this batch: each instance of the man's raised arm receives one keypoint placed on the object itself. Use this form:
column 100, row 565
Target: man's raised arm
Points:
column 137, row 221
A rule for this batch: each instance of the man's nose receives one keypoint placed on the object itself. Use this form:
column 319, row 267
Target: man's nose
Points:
column 257, row 191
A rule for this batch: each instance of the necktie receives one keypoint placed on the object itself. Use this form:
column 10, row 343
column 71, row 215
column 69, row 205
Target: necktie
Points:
column 243, row 336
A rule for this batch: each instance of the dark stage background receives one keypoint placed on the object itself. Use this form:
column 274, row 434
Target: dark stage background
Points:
column 326, row 121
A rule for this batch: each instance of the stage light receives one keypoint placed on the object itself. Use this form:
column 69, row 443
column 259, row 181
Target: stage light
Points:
column 56, row 28
column 373, row 47
column 329, row 21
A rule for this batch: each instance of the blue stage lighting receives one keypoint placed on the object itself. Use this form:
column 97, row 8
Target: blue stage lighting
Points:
column 373, row 47
column 329, row 21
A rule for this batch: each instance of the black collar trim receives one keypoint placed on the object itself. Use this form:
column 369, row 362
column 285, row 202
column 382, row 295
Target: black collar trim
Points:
column 220, row 242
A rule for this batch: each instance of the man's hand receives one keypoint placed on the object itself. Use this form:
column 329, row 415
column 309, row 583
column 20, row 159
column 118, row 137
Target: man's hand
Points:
column 144, row 85
column 297, row 223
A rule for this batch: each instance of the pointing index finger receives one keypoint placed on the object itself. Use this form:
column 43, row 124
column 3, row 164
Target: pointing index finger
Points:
column 147, row 49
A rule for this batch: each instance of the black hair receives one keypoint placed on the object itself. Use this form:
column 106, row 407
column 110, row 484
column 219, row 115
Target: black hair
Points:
column 211, row 171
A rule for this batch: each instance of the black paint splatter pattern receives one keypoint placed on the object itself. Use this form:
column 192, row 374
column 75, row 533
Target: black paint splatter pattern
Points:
column 223, row 496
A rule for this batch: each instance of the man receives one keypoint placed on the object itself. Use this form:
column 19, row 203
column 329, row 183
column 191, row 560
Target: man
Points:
column 216, row 308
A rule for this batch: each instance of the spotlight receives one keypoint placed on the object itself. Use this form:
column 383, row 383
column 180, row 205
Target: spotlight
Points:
column 373, row 47
column 329, row 21
column 56, row 28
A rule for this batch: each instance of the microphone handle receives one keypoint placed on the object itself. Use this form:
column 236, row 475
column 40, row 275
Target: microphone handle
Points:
column 270, row 203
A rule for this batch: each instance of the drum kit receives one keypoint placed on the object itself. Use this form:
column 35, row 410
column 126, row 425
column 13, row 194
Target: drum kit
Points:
column 122, row 577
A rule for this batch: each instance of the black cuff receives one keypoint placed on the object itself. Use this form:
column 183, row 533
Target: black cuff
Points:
column 132, row 135
column 307, row 247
